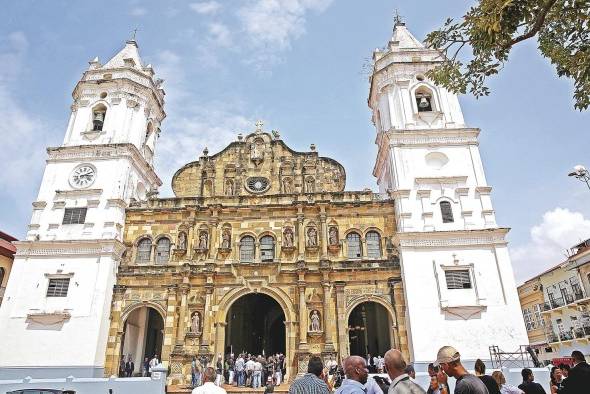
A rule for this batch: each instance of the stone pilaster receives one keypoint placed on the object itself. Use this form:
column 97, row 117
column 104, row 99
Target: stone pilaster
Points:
column 341, row 321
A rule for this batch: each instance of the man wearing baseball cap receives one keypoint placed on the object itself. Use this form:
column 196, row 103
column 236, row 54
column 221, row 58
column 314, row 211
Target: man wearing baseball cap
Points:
column 449, row 360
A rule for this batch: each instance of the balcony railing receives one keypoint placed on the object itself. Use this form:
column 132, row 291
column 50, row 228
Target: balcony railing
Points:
column 563, row 301
column 551, row 337
column 586, row 330
column 565, row 336
column 579, row 333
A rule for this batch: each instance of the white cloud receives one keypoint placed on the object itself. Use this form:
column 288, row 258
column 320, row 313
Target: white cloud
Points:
column 273, row 24
column 205, row 7
column 138, row 11
column 559, row 230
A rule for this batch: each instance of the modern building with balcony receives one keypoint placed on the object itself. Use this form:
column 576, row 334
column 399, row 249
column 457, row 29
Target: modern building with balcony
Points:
column 557, row 304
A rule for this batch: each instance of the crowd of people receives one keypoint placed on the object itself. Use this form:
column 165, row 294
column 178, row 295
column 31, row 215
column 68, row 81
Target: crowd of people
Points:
column 353, row 377
column 127, row 368
column 243, row 370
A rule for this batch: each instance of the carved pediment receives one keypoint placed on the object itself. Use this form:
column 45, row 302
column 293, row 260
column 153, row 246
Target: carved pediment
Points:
column 259, row 164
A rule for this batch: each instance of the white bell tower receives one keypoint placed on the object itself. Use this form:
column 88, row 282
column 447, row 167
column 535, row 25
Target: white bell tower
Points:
column 55, row 315
column 457, row 273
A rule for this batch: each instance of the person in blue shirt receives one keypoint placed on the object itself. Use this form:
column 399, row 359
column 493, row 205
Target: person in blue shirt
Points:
column 355, row 369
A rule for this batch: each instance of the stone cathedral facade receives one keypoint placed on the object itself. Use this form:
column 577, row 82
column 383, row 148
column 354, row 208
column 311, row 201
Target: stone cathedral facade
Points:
column 258, row 218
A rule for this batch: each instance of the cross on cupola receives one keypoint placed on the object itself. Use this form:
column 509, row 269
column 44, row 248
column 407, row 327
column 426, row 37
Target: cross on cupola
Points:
column 398, row 19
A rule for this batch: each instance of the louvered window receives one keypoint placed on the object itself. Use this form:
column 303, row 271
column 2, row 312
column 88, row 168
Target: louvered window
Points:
column 74, row 216
column 58, row 287
column 162, row 251
column 458, row 279
column 267, row 248
column 446, row 212
column 354, row 246
column 373, row 245
column 144, row 251
column 247, row 249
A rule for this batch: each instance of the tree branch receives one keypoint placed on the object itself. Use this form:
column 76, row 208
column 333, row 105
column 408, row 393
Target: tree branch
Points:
column 536, row 27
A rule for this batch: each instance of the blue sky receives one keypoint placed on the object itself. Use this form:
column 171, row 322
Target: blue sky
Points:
column 298, row 65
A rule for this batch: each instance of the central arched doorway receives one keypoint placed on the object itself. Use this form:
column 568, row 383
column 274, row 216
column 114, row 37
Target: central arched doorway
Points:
column 369, row 329
column 256, row 325
column 143, row 335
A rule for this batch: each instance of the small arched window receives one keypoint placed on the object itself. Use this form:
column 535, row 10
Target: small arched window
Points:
column 424, row 100
column 247, row 249
column 144, row 251
column 373, row 245
column 354, row 245
column 163, row 251
column 446, row 212
column 98, row 115
column 267, row 248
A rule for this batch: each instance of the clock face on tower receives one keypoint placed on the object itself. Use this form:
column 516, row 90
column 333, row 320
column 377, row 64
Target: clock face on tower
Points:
column 83, row 176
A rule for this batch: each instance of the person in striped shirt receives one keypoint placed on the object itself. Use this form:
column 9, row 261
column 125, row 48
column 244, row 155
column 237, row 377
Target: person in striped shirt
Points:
column 313, row 381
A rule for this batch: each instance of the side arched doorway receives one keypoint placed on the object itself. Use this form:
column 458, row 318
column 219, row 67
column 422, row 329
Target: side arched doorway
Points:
column 143, row 336
column 369, row 329
column 256, row 325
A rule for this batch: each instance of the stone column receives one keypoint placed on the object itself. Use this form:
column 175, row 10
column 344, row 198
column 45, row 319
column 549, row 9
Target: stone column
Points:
column 341, row 320
column 302, row 316
column 114, row 351
column 300, row 235
column 207, row 318
column 328, row 320
column 324, row 233
column 181, row 327
column 392, row 282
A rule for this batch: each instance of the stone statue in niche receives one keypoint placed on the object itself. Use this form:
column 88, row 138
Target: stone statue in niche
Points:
column 333, row 236
column 257, row 150
column 287, row 186
column 196, row 322
column 312, row 237
column 226, row 238
column 309, row 185
column 203, row 240
column 288, row 238
column 229, row 187
column 182, row 240
column 315, row 321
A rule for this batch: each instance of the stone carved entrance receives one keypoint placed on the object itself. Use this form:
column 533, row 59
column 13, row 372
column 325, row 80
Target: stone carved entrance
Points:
column 289, row 318
column 369, row 329
column 255, row 325
column 142, row 336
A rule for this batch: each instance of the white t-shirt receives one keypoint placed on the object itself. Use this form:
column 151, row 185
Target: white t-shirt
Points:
column 209, row 388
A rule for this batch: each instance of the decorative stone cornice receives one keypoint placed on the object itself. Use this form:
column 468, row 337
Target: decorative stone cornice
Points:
column 70, row 248
column 433, row 137
column 77, row 193
column 437, row 239
column 104, row 152
column 444, row 180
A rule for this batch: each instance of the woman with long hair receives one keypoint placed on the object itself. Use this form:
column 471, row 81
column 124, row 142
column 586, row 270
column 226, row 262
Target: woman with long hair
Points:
column 504, row 387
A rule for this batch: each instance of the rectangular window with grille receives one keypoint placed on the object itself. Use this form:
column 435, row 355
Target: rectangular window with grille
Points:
column 58, row 287
column 458, row 279
column 74, row 216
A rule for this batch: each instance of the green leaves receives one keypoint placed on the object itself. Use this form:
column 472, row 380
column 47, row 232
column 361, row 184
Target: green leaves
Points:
column 493, row 27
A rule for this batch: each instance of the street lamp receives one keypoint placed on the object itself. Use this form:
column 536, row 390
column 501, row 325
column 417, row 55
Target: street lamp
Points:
column 581, row 173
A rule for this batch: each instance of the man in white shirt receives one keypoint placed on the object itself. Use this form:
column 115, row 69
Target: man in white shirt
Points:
column 209, row 386
column 153, row 362
column 249, row 371
column 257, row 374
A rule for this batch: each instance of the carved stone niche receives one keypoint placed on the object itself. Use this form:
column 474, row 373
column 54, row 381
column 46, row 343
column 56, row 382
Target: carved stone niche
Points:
column 334, row 244
column 181, row 243
column 315, row 323
column 288, row 240
column 311, row 238
column 202, row 242
column 225, row 244
column 194, row 329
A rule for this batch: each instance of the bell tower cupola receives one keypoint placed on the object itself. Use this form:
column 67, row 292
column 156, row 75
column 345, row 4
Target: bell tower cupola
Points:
column 118, row 102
